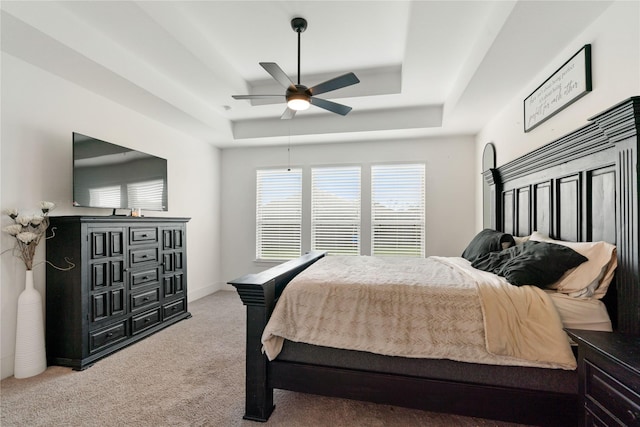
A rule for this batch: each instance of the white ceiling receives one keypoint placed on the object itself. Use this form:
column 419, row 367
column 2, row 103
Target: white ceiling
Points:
column 426, row 67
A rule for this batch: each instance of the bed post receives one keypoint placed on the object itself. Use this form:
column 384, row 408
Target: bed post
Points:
column 260, row 300
column 621, row 125
column 259, row 292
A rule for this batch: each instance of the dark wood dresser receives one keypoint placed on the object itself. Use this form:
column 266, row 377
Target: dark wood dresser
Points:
column 609, row 371
column 129, row 281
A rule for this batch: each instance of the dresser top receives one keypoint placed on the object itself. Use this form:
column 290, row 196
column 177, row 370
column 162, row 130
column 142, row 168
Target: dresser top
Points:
column 624, row 348
column 115, row 218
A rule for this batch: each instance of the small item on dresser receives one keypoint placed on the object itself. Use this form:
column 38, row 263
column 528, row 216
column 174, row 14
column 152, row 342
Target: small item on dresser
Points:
column 136, row 212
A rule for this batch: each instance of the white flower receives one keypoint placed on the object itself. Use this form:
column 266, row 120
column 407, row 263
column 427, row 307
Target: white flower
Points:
column 28, row 231
column 47, row 206
column 26, row 237
column 12, row 213
column 13, row 229
column 24, row 220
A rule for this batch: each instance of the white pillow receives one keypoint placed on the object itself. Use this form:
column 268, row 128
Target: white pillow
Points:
column 521, row 240
column 591, row 278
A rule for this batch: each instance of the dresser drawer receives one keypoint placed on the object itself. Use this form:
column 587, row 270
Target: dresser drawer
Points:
column 594, row 417
column 141, row 256
column 144, row 277
column 142, row 235
column 609, row 398
column 145, row 299
column 145, row 320
column 103, row 338
column 173, row 309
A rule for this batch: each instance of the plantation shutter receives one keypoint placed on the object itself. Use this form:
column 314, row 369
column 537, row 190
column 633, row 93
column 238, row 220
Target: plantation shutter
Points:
column 398, row 210
column 279, row 214
column 335, row 210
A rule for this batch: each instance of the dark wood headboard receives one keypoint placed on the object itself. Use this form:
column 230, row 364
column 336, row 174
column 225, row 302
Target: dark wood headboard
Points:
column 582, row 187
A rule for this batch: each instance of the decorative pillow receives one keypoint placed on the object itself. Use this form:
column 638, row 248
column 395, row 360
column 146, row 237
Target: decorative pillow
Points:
column 532, row 263
column 521, row 240
column 486, row 241
column 592, row 278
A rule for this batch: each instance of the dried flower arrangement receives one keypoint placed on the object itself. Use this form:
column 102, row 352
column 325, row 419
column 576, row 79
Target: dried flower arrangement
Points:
column 28, row 230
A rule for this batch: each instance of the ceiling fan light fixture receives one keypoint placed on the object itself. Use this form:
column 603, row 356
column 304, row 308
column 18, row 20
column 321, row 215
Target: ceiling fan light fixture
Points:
column 298, row 102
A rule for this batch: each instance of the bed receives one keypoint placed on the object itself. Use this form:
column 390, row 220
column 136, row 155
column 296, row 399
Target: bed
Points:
column 582, row 187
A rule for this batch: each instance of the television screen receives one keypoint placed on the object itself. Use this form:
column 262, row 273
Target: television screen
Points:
column 107, row 175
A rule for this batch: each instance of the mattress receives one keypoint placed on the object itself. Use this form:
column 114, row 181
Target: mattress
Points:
column 575, row 313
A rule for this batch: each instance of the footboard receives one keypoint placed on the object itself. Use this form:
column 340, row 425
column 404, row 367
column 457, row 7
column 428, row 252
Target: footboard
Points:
column 259, row 292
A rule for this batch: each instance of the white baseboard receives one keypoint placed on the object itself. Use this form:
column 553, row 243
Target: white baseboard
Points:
column 195, row 294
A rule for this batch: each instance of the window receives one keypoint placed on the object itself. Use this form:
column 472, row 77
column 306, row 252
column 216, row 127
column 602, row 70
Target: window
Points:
column 278, row 214
column 397, row 210
column 335, row 210
column 339, row 213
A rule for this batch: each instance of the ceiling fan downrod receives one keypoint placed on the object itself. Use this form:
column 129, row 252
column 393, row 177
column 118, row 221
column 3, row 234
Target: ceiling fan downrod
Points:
column 299, row 25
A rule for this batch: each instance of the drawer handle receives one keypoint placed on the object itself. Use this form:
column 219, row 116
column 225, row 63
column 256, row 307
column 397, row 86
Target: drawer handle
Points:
column 145, row 299
column 147, row 320
column 145, row 278
column 144, row 235
column 145, row 256
column 109, row 334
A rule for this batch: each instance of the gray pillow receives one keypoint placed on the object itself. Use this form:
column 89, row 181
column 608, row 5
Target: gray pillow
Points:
column 532, row 263
column 487, row 241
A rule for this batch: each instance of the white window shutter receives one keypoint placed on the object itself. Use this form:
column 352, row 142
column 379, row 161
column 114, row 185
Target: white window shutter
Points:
column 335, row 210
column 398, row 210
column 279, row 214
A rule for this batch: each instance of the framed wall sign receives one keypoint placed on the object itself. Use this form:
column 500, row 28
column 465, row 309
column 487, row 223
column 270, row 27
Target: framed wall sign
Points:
column 569, row 83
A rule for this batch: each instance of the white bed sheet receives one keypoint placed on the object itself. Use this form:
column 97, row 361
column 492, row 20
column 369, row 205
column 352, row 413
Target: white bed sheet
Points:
column 581, row 313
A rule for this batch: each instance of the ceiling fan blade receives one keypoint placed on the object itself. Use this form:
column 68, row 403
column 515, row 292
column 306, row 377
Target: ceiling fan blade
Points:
column 335, row 83
column 334, row 107
column 288, row 114
column 277, row 73
column 256, row 96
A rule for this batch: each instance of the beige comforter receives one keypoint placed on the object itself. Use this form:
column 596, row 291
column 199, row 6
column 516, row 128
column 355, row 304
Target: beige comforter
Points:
column 419, row 307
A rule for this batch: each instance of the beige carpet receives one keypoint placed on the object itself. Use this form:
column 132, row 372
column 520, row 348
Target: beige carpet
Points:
column 190, row 374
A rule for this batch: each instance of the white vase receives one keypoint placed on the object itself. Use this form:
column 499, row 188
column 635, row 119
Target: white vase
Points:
column 30, row 356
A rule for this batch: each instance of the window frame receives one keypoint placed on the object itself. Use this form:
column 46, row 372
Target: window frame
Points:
column 367, row 222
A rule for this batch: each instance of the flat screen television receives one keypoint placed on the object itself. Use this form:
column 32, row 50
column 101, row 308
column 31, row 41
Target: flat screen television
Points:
column 107, row 175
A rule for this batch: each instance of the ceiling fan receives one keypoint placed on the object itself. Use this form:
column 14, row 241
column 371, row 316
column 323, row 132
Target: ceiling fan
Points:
column 298, row 96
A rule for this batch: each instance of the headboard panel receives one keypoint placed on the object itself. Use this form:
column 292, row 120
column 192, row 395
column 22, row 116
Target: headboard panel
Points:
column 601, row 201
column 582, row 187
column 543, row 202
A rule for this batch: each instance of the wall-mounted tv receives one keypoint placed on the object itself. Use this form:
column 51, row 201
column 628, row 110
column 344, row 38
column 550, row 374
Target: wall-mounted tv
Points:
column 107, row 175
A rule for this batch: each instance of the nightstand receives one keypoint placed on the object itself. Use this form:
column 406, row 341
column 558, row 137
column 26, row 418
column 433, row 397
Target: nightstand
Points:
column 609, row 372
